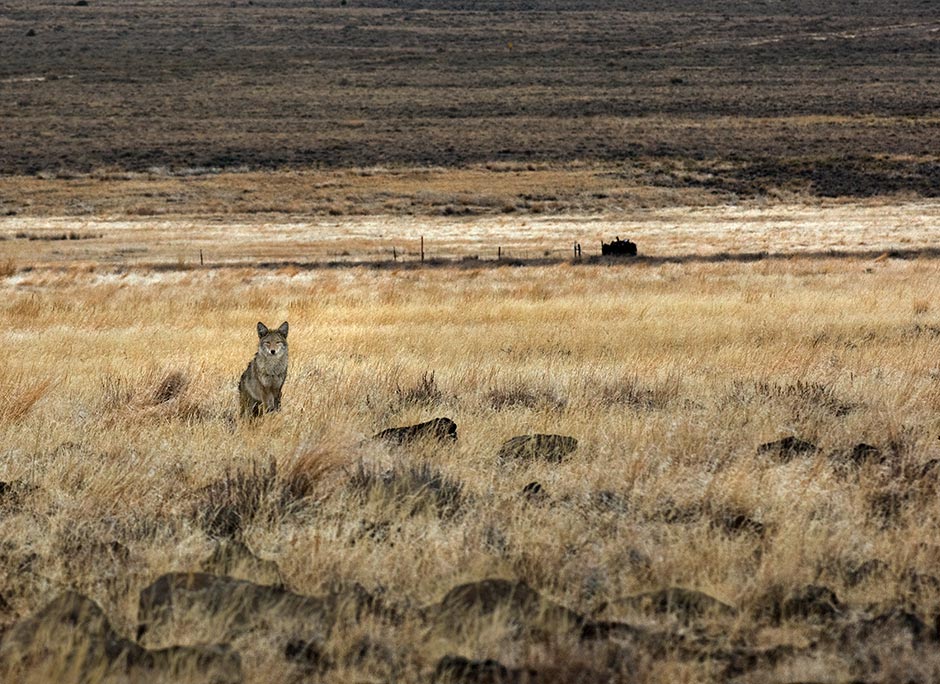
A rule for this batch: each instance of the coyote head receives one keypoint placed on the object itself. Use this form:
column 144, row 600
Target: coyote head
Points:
column 272, row 342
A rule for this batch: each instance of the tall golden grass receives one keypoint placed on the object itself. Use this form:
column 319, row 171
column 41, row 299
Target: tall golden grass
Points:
column 671, row 376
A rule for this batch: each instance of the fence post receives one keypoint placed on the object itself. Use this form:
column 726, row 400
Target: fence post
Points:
column 200, row 258
column 422, row 248
column 394, row 254
column 499, row 253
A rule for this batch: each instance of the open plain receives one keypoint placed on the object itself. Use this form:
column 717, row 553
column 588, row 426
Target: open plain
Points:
column 755, row 398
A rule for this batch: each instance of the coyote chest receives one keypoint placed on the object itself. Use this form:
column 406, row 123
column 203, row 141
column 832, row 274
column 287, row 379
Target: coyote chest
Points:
column 259, row 388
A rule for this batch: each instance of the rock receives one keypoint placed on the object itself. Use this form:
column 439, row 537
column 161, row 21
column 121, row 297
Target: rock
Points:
column 516, row 600
column 812, row 603
column 864, row 453
column 521, row 606
column 735, row 522
column 687, row 605
column 218, row 609
column 234, row 559
column 786, row 449
column 437, row 428
column 551, row 448
column 31, row 33
column 857, row 456
column 887, row 626
column 72, row 641
column 307, row 654
column 81, row 3
column 534, row 492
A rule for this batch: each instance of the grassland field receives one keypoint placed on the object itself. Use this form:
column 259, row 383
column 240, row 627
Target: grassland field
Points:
column 755, row 397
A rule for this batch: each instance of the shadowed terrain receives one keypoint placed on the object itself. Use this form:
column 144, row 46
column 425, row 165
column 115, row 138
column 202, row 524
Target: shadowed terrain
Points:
column 739, row 97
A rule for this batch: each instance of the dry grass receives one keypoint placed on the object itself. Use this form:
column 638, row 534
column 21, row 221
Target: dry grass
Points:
column 669, row 375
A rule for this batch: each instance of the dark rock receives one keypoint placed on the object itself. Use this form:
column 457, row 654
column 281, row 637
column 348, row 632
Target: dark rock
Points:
column 687, row 605
column 234, row 559
column 786, row 449
column 521, row 606
column 229, row 607
column 81, row 3
column 516, row 600
column 73, row 632
column 888, row 627
column 31, row 33
column 307, row 654
column 858, row 456
column 864, row 453
column 873, row 567
column 551, row 448
column 735, row 522
column 437, row 428
column 534, row 492
column 812, row 603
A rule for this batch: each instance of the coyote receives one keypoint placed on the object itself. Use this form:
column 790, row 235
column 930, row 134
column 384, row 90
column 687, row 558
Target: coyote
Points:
column 259, row 388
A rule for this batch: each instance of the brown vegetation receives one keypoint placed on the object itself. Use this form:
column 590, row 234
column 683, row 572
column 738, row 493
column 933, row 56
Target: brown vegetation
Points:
column 669, row 516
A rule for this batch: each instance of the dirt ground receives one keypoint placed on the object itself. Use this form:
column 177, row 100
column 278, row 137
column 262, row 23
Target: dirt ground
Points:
column 738, row 98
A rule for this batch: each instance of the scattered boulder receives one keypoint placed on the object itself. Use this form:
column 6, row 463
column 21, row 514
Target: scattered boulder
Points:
column 31, row 33
column 72, row 640
column 858, row 456
column 218, row 609
column 687, row 605
column 534, row 492
column 887, row 627
column 786, row 449
column 442, row 429
column 81, row 3
column 812, row 603
column 552, row 448
column 521, row 606
column 516, row 600
column 233, row 559
column 864, row 453
column 736, row 522
column 307, row 654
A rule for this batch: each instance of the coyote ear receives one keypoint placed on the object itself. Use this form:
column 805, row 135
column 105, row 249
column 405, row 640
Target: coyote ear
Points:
column 262, row 329
column 283, row 329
